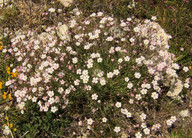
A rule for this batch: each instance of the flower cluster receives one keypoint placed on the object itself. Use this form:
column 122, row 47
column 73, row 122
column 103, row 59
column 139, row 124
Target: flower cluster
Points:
column 104, row 68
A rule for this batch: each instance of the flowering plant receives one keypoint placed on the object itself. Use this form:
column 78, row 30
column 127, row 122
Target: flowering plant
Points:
column 105, row 73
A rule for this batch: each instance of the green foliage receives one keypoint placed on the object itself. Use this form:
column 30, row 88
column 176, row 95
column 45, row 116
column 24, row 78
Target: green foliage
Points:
column 34, row 123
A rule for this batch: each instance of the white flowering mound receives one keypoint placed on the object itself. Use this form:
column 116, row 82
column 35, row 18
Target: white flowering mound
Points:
column 108, row 73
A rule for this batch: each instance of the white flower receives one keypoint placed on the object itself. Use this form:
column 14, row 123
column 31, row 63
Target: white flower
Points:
column 130, row 85
column 99, row 13
column 123, row 39
column 76, row 82
column 72, row 23
column 93, row 14
column 54, row 109
column 137, row 75
column 85, row 72
column 95, row 80
column 110, row 38
column 173, row 118
column 87, row 22
column 169, row 122
column 146, row 131
column 116, row 71
column 51, row 100
column 51, row 10
column 118, row 104
column 50, row 93
column 45, row 109
column 117, row 129
column 89, row 121
column 120, row 60
column 94, row 96
column 138, row 135
column 89, row 65
column 146, row 42
column 60, row 90
column 34, row 99
column 8, row 83
column 88, row 88
column 124, row 111
column 143, row 116
column 78, row 71
column 128, row 114
column 138, row 96
column 132, row 40
column 186, row 69
column 153, row 18
column 131, row 101
column 123, row 24
column 110, row 75
column 97, row 55
column 129, row 19
column 143, row 125
column 154, row 95
column 104, row 119
column 74, row 60
column 36, row 47
column 175, row 66
column 78, row 13
column 167, row 46
column 99, row 60
column 144, row 91
column 136, row 29
column 100, row 74
column 151, row 47
column 126, row 79
column 127, row 58
column 186, row 85
column 85, row 78
column 102, row 81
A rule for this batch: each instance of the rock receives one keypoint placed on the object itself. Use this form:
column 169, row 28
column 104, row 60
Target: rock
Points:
column 66, row 3
column 124, row 135
column 63, row 32
column 175, row 89
column 3, row 2
column 168, row 80
column 184, row 113
column 44, row 36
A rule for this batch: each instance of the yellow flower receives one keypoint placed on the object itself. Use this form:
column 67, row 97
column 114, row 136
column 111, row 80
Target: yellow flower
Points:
column 8, row 70
column 6, row 118
column 11, row 125
column 1, row 47
column 9, row 97
column 15, row 129
column 1, row 84
column 4, row 95
column 14, row 74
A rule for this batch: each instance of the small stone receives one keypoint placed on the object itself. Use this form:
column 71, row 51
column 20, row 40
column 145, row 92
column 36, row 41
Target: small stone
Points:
column 175, row 90
column 44, row 36
column 63, row 33
column 124, row 135
column 66, row 3
column 184, row 113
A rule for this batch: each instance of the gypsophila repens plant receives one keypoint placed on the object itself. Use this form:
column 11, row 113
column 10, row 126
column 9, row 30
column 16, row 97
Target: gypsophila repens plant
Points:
column 108, row 75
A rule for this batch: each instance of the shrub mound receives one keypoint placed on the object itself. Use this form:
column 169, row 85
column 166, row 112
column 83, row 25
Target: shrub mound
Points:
column 106, row 75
